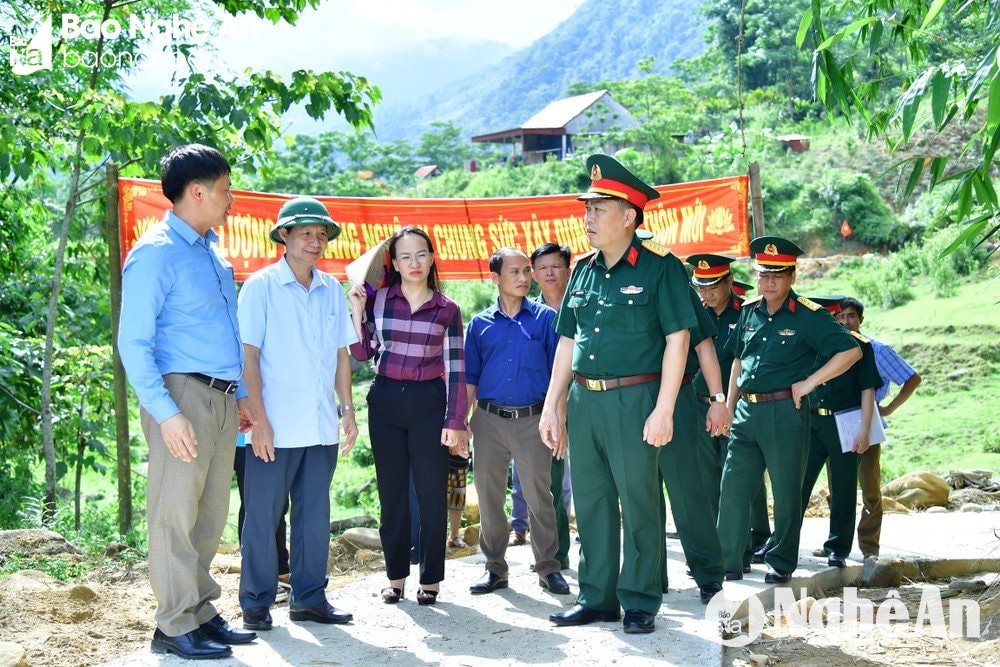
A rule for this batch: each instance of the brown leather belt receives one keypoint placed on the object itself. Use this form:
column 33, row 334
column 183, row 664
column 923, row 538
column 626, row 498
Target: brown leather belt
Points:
column 606, row 384
column 767, row 398
column 704, row 399
column 505, row 412
column 823, row 412
column 687, row 379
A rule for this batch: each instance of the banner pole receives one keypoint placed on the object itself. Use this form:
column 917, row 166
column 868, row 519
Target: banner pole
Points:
column 756, row 200
column 123, row 449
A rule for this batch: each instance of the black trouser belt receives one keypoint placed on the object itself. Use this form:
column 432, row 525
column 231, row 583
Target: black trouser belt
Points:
column 704, row 399
column 767, row 398
column 505, row 412
column 604, row 384
column 823, row 412
column 225, row 386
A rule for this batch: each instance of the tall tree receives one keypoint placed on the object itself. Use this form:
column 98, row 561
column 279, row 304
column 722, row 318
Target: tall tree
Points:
column 64, row 123
column 897, row 69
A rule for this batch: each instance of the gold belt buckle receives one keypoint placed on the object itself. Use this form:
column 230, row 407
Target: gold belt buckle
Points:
column 751, row 398
column 595, row 385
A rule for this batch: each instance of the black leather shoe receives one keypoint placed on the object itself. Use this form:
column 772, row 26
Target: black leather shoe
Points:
column 709, row 591
column 554, row 583
column 580, row 615
column 836, row 561
column 324, row 612
column 638, row 622
column 758, row 555
column 193, row 646
column 777, row 576
column 257, row 618
column 220, row 631
column 734, row 576
column 488, row 583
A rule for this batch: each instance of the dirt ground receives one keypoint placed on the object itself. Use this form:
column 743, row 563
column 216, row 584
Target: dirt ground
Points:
column 109, row 614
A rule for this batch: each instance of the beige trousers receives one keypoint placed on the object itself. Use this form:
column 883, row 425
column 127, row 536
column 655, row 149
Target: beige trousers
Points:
column 187, row 505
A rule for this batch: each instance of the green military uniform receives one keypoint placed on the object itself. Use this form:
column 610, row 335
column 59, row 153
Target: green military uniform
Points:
column 558, row 497
column 709, row 269
column 620, row 317
column 841, row 393
column 681, row 467
column 776, row 351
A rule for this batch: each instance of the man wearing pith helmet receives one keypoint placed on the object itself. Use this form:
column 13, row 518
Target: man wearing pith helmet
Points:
column 623, row 329
column 775, row 345
column 296, row 328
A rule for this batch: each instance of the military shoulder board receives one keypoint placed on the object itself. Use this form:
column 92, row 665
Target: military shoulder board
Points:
column 810, row 304
column 750, row 302
column 655, row 248
column 863, row 339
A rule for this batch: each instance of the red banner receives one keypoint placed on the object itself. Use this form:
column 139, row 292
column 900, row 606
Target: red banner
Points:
column 703, row 216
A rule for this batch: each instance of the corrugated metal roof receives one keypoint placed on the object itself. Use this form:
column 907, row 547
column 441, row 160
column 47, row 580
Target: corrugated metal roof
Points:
column 560, row 112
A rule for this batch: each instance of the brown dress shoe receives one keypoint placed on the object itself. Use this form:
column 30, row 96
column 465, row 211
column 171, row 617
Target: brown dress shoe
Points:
column 517, row 539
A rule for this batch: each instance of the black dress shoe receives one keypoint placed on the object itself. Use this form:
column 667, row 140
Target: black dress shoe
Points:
column 220, row 631
column 193, row 646
column 734, row 576
column 257, row 618
column 638, row 622
column 324, row 612
column 488, row 583
column 580, row 615
column 554, row 583
column 777, row 576
column 836, row 561
column 709, row 591
column 758, row 555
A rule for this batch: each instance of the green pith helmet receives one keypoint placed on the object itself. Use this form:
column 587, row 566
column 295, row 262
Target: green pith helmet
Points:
column 303, row 211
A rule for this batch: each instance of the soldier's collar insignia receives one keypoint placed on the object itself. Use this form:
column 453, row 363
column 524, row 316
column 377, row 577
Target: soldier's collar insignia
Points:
column 595, row 173
column 632, row 256
column 787, row 332
column 632, row 289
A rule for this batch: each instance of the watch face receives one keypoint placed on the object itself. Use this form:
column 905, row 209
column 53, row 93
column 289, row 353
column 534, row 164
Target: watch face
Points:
column 719, row 398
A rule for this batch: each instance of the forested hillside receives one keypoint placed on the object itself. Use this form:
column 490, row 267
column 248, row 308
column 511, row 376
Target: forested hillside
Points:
column 601, row 40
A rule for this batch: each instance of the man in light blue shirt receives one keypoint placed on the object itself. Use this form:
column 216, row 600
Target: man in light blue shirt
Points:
column 180, row 344
column 296, row 329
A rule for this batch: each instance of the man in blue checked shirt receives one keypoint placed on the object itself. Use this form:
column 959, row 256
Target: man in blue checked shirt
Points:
column 509, row 348
column 180, row 344
column 893, row 368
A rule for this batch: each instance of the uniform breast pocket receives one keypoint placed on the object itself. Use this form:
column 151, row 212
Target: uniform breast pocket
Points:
column 631, row 311
column 578, row 301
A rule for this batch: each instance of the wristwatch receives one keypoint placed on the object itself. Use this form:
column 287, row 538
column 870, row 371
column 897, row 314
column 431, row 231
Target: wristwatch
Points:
column 341, row 409
column 718, row 398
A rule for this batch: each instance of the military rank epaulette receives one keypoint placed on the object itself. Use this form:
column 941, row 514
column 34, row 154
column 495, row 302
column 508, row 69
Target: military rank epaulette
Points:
column 753, row 300
column 863, row 339
column 809, row 303
column 655, row 248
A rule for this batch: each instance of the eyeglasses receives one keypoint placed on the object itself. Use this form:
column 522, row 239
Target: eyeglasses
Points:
column 419, row 258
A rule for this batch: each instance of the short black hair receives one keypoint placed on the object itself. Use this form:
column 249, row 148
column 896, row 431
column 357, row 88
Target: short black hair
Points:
column 496, row 259
column 626, row 204
column 188, row 163
column 551, row 249
column 851, row 302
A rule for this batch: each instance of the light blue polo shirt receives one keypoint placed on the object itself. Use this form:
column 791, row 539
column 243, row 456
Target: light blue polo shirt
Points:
column 298, row 332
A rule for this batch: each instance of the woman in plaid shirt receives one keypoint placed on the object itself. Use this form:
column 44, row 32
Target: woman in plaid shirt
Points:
column 416, row 405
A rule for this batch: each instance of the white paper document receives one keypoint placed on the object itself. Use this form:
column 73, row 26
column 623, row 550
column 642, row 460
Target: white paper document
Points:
column 849, row 425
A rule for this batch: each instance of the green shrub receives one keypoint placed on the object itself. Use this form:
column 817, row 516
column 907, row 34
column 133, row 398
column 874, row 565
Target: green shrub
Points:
column 883, row 283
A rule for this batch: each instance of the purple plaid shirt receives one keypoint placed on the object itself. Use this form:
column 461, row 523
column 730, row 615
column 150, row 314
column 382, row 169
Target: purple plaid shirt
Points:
column 419, row 346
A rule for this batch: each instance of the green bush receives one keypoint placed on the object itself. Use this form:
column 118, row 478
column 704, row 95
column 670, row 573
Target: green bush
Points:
column 883, row 283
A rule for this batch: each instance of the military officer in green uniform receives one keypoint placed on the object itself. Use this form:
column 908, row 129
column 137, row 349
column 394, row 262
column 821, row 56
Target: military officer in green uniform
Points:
column 682, row 461
column 713, row 277
column 624, row 335
column 775, row 345
column 852, row 389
